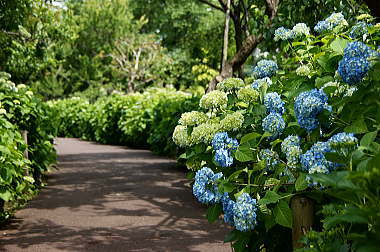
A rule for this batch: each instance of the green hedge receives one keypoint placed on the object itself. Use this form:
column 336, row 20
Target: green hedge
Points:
column 138, row 120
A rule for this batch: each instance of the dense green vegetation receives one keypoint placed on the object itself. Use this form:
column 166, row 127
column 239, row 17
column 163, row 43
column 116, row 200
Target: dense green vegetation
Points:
column 284, row 146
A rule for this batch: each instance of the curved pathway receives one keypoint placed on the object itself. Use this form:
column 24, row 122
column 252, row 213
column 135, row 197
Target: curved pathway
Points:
column 108, row 198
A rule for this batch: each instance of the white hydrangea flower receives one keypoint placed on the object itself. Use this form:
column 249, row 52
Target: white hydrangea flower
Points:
column 214, row 100
column 336, row 19
column 301, row 29
column 230, row 84
column 204, row 133
column 303, row 70
column 180, row 136
column 232, row 122
column 248, row 94
column 3, row 111
column 29, row 93
column 192, row 118
column 21, row 86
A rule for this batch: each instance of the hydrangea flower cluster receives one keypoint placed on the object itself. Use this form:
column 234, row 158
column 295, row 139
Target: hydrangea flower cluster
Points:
column 228, row 209
column 230, row 84
column 204, row 133
column 301, row 29
column 355, row 65
column 214, row 100
column 205, row 187
column 334, row 20
column 248, row 94
column 273, row 103
column 265, row 68
column 283, row 34
column 291, row 147
column 180, row 136
column 274, row 124
column 343, row 142
column 192, row 118
column 245, row 213
column 342, row 88
column 223, row 146
column 359, row 29
column 259, row 83
column 232, row 122
column 270, row 157
column 307, row 107
column 303, row 70
column 314, row 160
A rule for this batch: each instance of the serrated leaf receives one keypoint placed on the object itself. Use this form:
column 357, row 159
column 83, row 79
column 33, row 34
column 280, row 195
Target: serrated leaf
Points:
column 301, row 183
column 249, row 137
column 270, row 197
column 338, row 45
column 283, row 214
column 358, row 127
column 368, row 138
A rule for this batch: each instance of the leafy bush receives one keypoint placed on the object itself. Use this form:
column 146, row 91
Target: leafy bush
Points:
column 138, row 120
column 20, row 111
column 309, row 129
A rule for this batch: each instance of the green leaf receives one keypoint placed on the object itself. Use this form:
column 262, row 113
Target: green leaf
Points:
column 5, row 194
column 190, row 175
column 320, row 81
column 368, row 138
column 301, row 183
column 244, row 153
column 338, row 45
column 213, row 212
column 249, row 137
column 270, row 197
column 358, row 127
column 283, row 214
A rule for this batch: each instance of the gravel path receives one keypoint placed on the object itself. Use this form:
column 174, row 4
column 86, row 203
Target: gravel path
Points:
column 108, row 198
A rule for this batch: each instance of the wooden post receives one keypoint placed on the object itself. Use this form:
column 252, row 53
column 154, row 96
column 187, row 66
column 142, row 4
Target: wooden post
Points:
column 24, row 134
column 303, row 217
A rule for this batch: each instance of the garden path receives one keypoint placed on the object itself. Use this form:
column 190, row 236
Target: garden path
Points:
column 110, row 198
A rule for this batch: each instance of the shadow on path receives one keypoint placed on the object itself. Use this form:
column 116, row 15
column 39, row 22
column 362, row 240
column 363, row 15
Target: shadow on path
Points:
column 108, row 198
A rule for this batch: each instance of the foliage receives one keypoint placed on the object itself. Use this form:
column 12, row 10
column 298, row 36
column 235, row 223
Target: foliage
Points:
column 21, row 111
column 138, row 119
column 307, row 133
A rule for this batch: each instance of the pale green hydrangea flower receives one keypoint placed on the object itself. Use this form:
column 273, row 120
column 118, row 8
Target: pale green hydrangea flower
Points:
column 248, row 94
column 303, row 70
column 364, row 17
column 204, row 133
column 214, row 100
column 21, row 86
column 230, row 84
column 301, row 29
column 29, row 93
column 337, row 19
column 180, row 136
column 341, row 88
column 3, row 111
column 195, row 164
column 192, row 118
column 232, row 122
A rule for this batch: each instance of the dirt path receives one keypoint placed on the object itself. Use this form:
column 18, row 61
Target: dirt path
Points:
column 108, row 198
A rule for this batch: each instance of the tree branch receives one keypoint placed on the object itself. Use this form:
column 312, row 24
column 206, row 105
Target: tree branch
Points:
column 212, row 5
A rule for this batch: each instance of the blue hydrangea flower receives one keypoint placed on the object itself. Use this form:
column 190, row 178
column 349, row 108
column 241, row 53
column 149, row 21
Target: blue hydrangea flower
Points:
column 257, row 84
column 265, row 68
column 322, row 26
column 283, row 34
column 223, row 158
column 274, row 124
column 359, row 29
column 352, row 70
column 219, row 141
column 358, row 49
column 205, row 187
column 273, row 103
column 315, row 157
column 228, row 209
column 343, row 142
column 271, row 158
column 245, row 213
column 307, row 107
column 290, row 141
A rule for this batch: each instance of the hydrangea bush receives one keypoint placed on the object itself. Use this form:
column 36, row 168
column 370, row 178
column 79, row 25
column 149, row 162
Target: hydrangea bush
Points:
column 307, row 125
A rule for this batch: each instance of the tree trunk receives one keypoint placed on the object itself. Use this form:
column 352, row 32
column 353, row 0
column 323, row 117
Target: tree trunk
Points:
column 303, row 217
column 237, row 61
column 225, row 37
